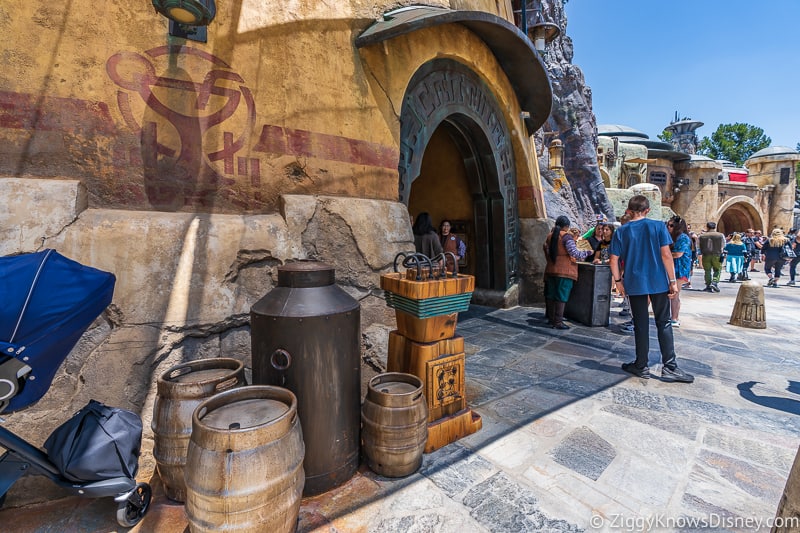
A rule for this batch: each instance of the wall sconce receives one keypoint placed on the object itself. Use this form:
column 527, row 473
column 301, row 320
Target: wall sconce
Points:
column 679, row 182
column 556, row 154
column 542, row 32
column 188, row 18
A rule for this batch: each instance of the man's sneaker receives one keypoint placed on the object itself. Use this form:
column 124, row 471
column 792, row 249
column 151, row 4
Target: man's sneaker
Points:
column 675, row 323
column 708, row 289
column 791, row 283
column 631, row 368
column 687, row 285
column 714, row 287
column 675, row 374
column 625, row 312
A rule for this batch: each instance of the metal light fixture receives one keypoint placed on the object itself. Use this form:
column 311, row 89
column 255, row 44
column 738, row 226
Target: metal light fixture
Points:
column 542, row 32
column 187, row 12
column 188, row 18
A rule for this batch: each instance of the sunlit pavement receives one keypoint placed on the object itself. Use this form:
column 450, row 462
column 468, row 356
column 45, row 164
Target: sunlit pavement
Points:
column 569, row 441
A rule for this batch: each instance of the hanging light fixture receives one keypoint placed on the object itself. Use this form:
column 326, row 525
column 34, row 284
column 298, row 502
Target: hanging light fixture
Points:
column 187, row 12
column 542, row 32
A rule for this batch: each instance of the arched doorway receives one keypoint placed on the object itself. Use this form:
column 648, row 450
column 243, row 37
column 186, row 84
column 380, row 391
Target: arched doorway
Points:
column 456, row 157
column 739, row 215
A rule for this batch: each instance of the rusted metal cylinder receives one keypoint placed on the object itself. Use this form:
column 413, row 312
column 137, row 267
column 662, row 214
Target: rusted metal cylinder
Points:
column 306, row 336
column 180, row 391
column 394, row 424
column 244, row 468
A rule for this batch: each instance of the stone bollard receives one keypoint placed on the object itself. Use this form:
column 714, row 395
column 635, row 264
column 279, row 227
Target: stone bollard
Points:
column 748, row 311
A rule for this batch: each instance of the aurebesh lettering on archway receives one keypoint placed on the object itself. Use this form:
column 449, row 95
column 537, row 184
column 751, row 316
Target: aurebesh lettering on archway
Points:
column 445, row 90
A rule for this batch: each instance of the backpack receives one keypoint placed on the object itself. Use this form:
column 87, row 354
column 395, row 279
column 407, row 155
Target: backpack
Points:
column 97, row 443
column 787, row 252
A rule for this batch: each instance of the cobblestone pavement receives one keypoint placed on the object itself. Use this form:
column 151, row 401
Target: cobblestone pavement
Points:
column 569, row 441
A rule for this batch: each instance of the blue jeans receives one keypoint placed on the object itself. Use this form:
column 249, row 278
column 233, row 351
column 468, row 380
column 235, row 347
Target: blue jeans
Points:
column 641, row 328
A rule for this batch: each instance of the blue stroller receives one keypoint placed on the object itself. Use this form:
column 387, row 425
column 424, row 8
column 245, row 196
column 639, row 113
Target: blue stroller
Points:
column 48, row 302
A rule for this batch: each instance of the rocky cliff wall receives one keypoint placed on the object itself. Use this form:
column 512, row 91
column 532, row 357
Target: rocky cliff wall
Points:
column 573, row 122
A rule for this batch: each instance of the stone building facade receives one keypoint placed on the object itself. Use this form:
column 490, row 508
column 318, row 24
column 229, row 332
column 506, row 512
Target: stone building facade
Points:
column 302, row 130
column 698, row 188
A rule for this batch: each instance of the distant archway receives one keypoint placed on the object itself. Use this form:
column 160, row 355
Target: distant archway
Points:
column 738, row 214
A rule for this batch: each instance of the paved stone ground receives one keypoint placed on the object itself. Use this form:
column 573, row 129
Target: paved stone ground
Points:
column 569, row 441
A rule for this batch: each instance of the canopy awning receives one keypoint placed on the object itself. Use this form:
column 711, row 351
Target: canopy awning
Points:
column 639, row 160
column 512, row 48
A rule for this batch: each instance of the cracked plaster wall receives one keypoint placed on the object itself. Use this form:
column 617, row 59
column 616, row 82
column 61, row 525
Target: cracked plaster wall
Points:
column 185, row 285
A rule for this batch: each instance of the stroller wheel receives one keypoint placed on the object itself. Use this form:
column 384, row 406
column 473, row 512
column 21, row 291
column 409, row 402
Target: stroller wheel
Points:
column 135, row 506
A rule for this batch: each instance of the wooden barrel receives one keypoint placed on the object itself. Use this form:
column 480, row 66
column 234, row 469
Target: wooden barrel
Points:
column 394, row 424
column 244, row 468
column 180, row 391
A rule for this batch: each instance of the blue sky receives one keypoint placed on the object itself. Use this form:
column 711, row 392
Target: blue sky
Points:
column 716, row 61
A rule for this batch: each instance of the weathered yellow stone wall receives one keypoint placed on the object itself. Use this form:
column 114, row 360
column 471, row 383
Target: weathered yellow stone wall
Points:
column 191, row 171
column 278, row 101
column 766, row 172
column 696, row 203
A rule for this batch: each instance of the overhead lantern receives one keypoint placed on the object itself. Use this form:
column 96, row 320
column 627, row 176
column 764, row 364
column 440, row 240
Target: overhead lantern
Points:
column 187, row 12
column 541, row 32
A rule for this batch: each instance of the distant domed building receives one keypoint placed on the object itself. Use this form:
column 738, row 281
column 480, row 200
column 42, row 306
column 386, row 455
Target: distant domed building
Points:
column 760, row 195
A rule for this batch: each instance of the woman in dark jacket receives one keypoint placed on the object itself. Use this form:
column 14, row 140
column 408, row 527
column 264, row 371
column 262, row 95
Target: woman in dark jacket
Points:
column 426, row 240
column 561, row 271
column 772, row 256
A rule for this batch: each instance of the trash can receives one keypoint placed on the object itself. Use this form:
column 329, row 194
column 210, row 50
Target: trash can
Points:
column 306, row 337
column 590, row 300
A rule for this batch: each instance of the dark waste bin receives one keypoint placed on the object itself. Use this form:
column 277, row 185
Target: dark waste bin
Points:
column 306, row 336
column 590, row 300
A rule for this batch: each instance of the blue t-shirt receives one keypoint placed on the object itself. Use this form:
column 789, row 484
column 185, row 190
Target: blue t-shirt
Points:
column 683, row 264
column 638, row 244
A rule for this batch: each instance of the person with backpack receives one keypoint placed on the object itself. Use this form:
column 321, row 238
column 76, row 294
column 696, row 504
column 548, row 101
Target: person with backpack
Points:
column 712, row 244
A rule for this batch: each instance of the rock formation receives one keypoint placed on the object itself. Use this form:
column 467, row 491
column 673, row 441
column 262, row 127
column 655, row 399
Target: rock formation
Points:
column 572, row 121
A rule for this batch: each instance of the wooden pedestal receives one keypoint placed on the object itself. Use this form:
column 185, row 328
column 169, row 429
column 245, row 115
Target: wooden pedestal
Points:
column 451, row 428
column 441, row 367
column 411, row 357
column 426, row 345
column 426, row 329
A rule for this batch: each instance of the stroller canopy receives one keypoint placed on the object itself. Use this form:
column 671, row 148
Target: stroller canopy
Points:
column 48, row 302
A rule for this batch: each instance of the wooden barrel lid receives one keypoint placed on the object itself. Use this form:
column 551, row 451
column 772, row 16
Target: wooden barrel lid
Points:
column 244, row 414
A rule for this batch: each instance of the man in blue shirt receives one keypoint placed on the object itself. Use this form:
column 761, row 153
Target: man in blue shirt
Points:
column 642, row 245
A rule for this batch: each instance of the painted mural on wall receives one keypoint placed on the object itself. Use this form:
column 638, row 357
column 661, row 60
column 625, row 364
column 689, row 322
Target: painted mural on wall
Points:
column 191, row 133
column 180, row 132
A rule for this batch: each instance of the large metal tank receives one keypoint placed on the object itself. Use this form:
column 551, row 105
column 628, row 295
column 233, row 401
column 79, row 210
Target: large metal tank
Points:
column 306, row 337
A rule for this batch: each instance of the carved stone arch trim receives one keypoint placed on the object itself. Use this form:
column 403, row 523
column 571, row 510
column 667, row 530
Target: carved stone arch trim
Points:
column 751, row 208
column 446, row 92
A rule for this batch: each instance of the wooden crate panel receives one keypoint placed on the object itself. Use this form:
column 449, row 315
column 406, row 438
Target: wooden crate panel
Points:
column 451, row 428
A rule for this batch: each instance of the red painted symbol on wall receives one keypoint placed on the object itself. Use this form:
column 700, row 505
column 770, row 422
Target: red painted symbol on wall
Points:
column 180, row 120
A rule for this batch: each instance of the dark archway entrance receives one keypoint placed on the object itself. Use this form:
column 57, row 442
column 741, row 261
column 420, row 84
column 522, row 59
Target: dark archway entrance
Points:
column 738, row 217
column 449, row 110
